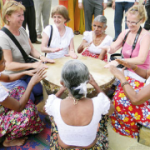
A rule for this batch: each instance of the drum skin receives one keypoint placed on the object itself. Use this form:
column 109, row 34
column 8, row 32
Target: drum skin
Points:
column 102, row 76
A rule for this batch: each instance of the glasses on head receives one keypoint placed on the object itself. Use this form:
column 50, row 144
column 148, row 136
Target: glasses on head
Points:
column 15, row 3
column 132, row 23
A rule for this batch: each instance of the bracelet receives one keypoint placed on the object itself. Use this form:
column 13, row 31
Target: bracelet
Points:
column 40, row 56
column 135, row 68
column 124, row 83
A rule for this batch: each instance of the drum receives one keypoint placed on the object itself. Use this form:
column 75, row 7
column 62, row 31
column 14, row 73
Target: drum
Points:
column 102, row 76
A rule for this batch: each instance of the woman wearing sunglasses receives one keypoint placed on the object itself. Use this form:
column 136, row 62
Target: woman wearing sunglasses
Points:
column 13, row 17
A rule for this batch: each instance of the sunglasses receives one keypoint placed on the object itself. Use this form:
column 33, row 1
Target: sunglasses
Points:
column 15, row 3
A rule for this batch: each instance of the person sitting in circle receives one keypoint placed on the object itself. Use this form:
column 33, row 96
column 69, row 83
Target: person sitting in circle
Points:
column 62, row 38
column 94, row 40
column 18, row 115
column 75, row 119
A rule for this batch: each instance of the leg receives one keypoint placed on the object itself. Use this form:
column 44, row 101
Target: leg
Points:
column 31, row 23
column 126, row 7
column 98, row 10
column 46, row 12
column 88, row 11
column 147, row 23
column 38, row 7
column 118, row 18
column 22, row 123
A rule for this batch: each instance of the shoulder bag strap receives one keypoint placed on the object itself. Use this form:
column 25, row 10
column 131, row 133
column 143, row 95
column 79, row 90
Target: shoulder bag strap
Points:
column 50, row 38
column 25, row 56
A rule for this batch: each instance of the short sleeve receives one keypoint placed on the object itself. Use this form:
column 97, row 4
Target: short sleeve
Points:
column 87, row 35
column 47, row 30
column 49, row 106
column 102, row 103
column 3, row 94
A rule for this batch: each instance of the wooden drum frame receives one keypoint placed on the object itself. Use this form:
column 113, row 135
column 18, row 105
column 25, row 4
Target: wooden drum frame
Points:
column 102, row 76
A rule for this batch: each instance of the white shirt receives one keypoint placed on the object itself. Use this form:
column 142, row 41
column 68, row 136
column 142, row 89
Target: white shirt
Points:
column 78, row 135
column 3, row 93
column 80, row 1
column 87, row 35
column 58, row 41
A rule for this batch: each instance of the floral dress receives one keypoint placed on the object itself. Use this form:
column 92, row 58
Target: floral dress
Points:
column 17, row 124
column 126, row 116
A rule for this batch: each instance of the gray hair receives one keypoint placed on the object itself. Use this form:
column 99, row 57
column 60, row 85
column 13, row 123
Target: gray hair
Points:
column 102, row 19
column 73, row 74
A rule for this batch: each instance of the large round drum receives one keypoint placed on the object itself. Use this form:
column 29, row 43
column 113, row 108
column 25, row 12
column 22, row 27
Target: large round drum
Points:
column 102, row 76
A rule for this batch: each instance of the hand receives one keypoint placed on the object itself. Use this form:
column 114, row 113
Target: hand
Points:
column 112, row 63
column 38, row 64
column 47, row 60
column 53, row 50
column 30, row 72
column 72, row 54
column 91, row 80
column 117, row 73
column 80, row 5
column 104, row 6
column 126, row 64
column 86, row 45
column 113, row 5
column 38, row 76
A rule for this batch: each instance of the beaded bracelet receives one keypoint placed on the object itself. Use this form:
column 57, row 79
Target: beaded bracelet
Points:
column 124, row 83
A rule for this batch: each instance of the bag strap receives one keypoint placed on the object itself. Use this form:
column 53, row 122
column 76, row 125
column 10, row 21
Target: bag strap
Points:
column 24, row 54
column 50, row 38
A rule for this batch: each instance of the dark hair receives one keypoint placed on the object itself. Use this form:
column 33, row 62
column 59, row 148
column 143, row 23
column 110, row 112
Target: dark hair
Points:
column 1, row 53
column 73, row 74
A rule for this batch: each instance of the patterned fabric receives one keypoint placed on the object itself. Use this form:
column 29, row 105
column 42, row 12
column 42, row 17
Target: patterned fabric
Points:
column 102, row 136
column 126, row 117
column 17, row 124
column 87, row 53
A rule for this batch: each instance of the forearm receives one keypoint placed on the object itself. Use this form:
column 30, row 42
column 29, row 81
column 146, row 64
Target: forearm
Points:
column 96, row 87
column 80, row 49
column 16, row 76
column 24, row 99
column 135, row 60
column 16, row 66
column 60, row 92
column 46, row 49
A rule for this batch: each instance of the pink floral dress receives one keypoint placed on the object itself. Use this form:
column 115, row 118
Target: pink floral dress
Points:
column 17, row 124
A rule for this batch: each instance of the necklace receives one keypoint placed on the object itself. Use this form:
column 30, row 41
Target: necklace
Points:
column 75, row 101
column 97, row 41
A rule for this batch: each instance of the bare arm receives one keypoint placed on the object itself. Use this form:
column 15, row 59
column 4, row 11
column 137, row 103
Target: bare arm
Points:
column 61, row 91
column 97, row 88
column 82, row 46
column 16, row 76
column 135, row 98
column 44, row 44
column 13, row 104
column 143, row 52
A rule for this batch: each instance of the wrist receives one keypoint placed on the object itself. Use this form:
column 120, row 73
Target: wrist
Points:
column 40, row 56
column 124, row 83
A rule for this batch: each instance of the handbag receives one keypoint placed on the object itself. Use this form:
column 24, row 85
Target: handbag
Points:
column 27, row 58
column 144, row 135
column 119, row 55
column 50, row 38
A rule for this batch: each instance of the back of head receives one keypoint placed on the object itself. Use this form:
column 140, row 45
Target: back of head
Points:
column 73, row 74
column 1, row 53
column 101, row 19
column 138, row 10
column 10, row 7
column 61, row 10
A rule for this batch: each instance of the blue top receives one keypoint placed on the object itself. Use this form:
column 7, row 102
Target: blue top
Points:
column 26, row 3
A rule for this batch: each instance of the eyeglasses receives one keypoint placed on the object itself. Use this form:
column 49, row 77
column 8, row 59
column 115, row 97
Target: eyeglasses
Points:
column 132, row 23
column 15, row 3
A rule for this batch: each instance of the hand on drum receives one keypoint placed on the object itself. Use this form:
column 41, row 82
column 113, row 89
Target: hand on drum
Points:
column 126, row 64
column 72, row 54
column 119, row 74
column 91, row 80
column 112, row 63
column 47, row 60
column 53, row 50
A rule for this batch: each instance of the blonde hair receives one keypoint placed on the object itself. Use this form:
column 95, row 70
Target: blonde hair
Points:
column 61, row 10
column 138, row 10
column 10, row 7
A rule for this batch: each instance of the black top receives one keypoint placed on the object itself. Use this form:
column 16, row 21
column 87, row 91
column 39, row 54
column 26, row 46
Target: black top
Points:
column 26, row 3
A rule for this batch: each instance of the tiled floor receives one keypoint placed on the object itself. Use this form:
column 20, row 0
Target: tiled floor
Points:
column 117, row 142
